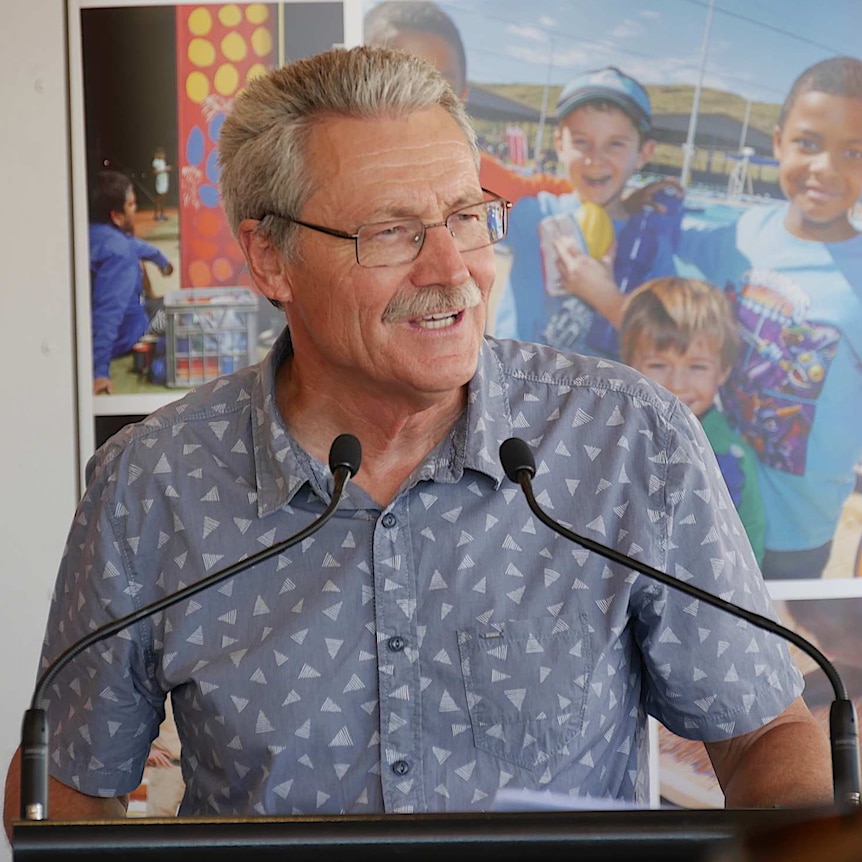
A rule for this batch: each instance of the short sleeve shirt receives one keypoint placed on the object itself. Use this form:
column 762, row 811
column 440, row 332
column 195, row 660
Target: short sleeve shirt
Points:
column 421, row 656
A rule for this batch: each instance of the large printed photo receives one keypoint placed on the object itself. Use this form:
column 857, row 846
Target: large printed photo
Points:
column 685, row 178
column 686, row 182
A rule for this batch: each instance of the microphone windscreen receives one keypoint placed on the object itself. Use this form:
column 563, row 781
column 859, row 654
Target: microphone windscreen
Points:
column 346, row 451
column 515, row 456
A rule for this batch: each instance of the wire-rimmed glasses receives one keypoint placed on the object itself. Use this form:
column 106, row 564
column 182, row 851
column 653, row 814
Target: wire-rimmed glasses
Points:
column 399, row 241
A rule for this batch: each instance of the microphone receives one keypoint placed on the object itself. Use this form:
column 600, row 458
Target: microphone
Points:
column 520, row 467
column 345, row 456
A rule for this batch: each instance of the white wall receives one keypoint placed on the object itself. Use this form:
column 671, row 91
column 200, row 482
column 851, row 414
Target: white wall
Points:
column 38, row 477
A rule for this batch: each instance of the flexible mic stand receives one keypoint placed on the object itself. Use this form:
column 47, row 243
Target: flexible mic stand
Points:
column 345, row 456
column 520, row 467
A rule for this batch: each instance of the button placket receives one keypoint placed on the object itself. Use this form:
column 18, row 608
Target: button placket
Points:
column 398, row 674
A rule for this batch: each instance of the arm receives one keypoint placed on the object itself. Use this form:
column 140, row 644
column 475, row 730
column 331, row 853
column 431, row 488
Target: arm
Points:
column 645, row 196
column 65, row 803
column 147, row 251
column 785, row 762
column 496, row 177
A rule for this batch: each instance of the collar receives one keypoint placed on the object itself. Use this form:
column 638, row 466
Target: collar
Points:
column 282, row 467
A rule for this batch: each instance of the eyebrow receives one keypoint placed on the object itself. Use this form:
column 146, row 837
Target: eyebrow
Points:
column 400, row 211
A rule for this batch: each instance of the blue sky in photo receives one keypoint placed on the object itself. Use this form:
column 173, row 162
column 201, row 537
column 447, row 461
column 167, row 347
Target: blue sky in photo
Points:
column 756, row 47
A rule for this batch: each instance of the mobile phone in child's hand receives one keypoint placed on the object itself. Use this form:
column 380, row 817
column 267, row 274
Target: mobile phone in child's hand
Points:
column 551, row 230
column 589, row 229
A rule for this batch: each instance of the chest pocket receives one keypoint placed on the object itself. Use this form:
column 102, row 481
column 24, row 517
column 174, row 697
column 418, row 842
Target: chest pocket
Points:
column 527, row 683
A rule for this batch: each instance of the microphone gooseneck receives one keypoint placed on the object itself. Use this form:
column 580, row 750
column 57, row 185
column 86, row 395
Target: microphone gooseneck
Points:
column 519, row 465
column 345, row 456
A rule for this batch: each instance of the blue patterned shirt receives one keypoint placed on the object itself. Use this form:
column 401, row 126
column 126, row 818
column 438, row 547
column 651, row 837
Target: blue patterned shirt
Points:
column 415, row 658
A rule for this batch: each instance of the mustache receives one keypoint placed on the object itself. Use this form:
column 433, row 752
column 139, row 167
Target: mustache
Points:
column 409, row 304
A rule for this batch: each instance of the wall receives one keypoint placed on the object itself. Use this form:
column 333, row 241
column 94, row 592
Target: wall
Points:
column 38, row 428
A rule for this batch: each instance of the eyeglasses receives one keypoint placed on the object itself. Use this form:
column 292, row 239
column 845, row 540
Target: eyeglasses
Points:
column 399, row 241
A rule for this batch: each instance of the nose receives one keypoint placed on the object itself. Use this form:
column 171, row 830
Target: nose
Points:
column 439, row 260
column 678, row 382
column 822, row 163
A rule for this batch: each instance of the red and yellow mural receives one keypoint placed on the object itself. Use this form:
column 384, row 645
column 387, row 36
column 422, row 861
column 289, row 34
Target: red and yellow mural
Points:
column 220, row 47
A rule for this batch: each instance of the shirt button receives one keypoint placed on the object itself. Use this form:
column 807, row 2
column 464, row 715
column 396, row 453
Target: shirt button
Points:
column 396, row 643
column 389, row 520
column 401, row 767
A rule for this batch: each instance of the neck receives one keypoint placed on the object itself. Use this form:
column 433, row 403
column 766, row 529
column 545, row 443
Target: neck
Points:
column 834, row 231
column 396, row 434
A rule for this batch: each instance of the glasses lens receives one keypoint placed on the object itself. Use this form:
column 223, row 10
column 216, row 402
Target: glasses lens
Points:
column 478, row 225
column 389, row 243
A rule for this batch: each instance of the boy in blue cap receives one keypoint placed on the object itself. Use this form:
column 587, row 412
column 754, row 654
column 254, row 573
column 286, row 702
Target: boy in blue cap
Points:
column 603, row 137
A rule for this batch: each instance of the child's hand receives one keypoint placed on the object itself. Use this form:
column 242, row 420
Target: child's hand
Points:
column 645, row 196
column 167, row 269
column 103, row 386
column 589, row 279
column 159, row 757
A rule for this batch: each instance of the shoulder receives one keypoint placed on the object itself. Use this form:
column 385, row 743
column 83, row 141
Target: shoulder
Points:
column 535, row 371
column 760, row 218
column 109, row 241
column 535, row 207
column 206, row 420
column 619, row 427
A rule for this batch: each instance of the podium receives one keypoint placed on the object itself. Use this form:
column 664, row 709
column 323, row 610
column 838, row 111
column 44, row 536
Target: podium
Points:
column 579, row 836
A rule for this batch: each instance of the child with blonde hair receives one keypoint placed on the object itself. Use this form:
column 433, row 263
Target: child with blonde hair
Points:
column 681, row 332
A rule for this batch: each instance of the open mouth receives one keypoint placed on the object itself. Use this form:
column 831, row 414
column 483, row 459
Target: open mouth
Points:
column 438, row 320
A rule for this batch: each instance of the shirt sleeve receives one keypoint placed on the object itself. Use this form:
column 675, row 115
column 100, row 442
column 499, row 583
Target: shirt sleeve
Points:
column 503, row 181
column 711, row 676
column 147, row 251
column 708, row 251
column 104, row 708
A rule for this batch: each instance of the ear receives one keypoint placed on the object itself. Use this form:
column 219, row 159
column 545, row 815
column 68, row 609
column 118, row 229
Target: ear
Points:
column 725, row 373
column 265, row 262
column 118, row 218
column 645, row 153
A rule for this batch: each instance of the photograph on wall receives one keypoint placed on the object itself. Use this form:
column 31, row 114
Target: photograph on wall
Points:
column 667, row 144
column 686, row 184
column 831, row 625
column 686, row 179
column 169, row 303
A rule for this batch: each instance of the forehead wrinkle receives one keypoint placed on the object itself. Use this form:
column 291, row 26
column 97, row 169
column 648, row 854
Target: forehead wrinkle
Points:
column 395, row 169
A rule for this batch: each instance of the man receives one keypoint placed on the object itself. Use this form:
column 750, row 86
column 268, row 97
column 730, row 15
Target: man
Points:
column 118, row 311
column 432, row 643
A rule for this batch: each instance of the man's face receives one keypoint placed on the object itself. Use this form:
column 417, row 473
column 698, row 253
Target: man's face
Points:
column 125, row 219
column 693, row 376
column 437, row 51
column 820, row 154
column 368, row 171
column 601, row 149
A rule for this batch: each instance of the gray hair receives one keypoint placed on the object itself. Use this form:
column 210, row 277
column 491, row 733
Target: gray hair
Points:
column 262, row 143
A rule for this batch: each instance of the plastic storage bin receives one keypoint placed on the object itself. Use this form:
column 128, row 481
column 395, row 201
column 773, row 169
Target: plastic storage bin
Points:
column 211, row 331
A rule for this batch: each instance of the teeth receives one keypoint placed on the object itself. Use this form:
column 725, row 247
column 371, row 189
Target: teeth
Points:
column 436, row 321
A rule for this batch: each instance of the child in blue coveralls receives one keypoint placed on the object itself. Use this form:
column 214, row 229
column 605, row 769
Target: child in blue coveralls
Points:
column 794, row 272
column 681, row 332
column 602, row 139
column 118, row 311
